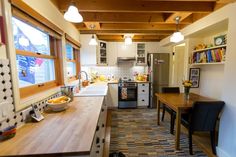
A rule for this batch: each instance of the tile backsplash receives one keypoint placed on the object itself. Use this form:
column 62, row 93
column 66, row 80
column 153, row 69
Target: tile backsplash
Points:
column 8, row 115
column 123, row 70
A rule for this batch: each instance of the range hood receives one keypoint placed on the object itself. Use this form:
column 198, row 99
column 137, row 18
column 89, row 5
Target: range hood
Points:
column 125, row 59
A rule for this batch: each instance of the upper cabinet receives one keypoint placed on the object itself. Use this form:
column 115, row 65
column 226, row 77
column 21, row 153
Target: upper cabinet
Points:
column 87, row 52
column 126, row 50
column 102, row 53
column 112, row 53
column 141, row 55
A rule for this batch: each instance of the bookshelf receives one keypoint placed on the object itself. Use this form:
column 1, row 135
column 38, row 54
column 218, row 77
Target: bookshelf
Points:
column 209, row 56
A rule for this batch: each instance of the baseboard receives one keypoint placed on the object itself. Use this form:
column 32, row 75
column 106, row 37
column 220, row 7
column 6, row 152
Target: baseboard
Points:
column 221, row 153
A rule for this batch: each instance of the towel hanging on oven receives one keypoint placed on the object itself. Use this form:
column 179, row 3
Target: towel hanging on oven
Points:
column 124, row 93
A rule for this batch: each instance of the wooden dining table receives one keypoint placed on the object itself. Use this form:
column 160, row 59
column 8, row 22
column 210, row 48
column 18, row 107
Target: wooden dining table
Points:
column 178, row 103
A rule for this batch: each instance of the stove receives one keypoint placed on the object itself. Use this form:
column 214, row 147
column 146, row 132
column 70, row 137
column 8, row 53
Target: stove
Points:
column 127, row 93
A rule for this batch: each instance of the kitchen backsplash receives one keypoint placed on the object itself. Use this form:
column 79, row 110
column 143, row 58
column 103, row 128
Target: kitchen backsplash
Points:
column 8, row 116
column 123, row 70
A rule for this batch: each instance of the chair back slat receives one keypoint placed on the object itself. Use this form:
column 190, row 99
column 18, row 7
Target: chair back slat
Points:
column 204, row 115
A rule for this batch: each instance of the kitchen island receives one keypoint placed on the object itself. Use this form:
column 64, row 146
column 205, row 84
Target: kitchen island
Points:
column 73, row 132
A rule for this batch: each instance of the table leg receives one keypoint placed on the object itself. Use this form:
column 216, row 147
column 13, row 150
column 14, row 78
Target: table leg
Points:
column 158, row 112
column 178, row 129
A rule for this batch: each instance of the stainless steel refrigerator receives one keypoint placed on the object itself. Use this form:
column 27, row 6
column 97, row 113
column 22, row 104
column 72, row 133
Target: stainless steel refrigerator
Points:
column 158, row 67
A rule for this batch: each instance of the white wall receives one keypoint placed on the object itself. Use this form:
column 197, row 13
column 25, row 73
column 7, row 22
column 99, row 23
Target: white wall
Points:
column 218, row 81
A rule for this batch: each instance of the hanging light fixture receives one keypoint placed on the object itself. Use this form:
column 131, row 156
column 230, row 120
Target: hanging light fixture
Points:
column 177, row 36
column 92, row 40
column 128, row 39
column 72, row 14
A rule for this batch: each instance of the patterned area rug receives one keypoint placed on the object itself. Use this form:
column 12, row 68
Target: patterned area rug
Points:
column 135, row 133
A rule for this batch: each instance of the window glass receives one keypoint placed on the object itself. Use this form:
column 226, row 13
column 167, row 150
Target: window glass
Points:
column 32, row 70
column 69, row 52
column 71, row 69
column 29, row 38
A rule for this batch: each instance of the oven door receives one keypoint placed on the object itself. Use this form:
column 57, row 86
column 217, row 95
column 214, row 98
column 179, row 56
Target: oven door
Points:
column 127, row 93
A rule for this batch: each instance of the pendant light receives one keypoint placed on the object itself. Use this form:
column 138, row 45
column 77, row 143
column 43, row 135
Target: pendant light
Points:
column 93, row 40
column 72, row 14
column 128, row 39
column 177, row 36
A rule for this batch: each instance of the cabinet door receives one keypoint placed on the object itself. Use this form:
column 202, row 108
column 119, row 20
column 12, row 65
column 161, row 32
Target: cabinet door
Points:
column 87, row 52
column 152, row 47
column 102, row 53
column 112, row 53
column 126, row 50
column 113, row 95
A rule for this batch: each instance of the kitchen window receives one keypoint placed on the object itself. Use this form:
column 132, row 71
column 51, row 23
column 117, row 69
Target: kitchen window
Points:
column 72, row 58
column 36, row 57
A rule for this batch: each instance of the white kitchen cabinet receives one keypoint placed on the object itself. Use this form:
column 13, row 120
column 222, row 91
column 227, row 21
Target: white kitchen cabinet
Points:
column 143, row 94
column 102, row 53
column 87, row 52
column 112, row 95
column 152, row 47
column 126, row 50
column 141, row 54
column 112, row 53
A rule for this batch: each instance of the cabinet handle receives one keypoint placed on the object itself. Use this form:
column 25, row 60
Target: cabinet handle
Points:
column 97, row 140
column 97, row 128
column 102, row 109
column 143, row 84
column 143, row 100
column 103, row 140
column 143, row 90
column 98, row 146
column 103, row 125
column 97, row 151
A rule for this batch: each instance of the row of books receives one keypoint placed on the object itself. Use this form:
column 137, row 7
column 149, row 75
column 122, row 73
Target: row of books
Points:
column 209, row 56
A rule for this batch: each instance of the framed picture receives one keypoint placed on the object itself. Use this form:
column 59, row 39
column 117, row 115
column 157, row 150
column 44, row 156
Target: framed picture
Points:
column 194, row 76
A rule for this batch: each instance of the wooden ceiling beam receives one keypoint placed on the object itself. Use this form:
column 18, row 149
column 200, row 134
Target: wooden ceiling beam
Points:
column 106, row 17
column 92, row 25
column 133, row 26
column 122, row 32
column 139, row 6
column 135, row 38
column 183, row 15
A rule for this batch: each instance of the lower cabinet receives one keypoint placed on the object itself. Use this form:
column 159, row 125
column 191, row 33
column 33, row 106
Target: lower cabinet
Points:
column 112, row 95
column 143, row 94
column 99, row 137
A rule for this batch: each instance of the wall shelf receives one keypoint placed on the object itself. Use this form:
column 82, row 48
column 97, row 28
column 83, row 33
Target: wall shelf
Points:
column 210, row 48
column 213, row 63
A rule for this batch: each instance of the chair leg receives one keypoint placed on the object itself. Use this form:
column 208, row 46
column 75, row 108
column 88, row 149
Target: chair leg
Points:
column 190, row 142
column 213, row 144
column 172, row 123
column 163, row 112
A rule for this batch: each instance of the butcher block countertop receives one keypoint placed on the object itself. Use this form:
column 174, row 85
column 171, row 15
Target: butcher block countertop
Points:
column 63, row 133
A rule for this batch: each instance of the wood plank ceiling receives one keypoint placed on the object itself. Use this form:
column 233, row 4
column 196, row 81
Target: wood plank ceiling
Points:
column 147, row 20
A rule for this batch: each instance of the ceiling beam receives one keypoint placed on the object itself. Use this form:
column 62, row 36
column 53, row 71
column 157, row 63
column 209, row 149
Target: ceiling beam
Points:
column 122, row 32
column 183, row 15
column 133, row 26
column 135, row 38
column 108, row 17
column 139, row 6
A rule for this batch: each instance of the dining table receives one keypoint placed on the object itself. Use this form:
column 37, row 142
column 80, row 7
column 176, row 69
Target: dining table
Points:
column 180, row 104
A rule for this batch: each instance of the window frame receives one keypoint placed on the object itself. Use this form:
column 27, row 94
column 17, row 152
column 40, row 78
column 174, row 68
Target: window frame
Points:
column 76, row 55
column 55, row 54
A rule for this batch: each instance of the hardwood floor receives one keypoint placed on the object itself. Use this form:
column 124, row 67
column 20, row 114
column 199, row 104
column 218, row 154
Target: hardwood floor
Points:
column 202, row 140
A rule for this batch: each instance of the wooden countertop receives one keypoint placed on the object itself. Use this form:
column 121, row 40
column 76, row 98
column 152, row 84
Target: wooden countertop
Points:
column 68, row 132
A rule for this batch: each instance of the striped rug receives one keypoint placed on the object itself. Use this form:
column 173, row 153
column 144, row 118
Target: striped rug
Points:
column 135, row 133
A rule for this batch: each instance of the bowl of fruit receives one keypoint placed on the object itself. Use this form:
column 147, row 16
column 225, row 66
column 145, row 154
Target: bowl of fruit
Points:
column 59, row 103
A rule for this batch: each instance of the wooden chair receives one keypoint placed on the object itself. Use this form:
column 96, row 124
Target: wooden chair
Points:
column 166, row 108
column 202, row 117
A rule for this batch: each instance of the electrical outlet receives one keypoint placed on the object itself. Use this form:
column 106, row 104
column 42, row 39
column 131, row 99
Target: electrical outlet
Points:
column 25, row 112
column 3, row 110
